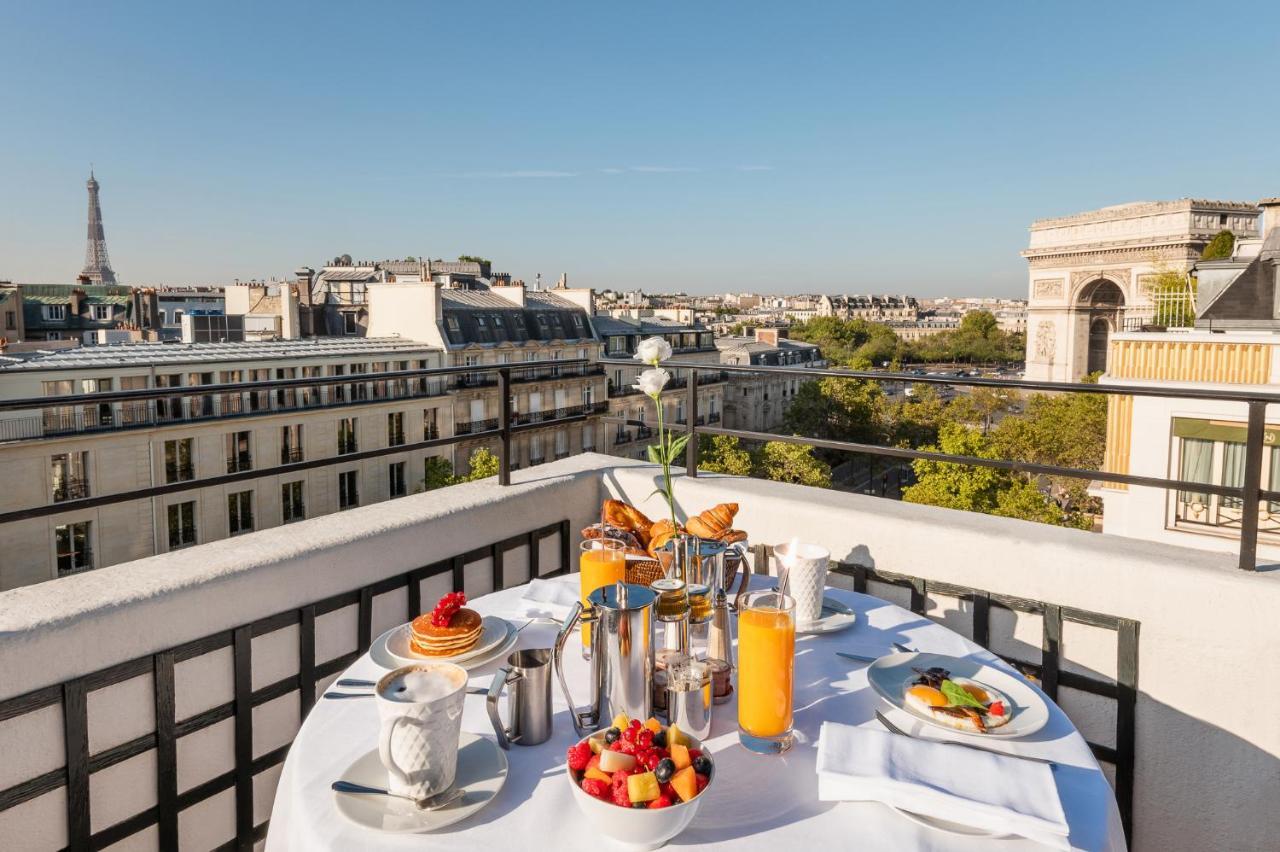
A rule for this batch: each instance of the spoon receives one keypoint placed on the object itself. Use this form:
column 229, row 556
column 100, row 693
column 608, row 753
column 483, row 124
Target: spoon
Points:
column 430, row 803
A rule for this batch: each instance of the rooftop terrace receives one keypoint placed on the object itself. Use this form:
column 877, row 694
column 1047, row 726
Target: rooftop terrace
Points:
column 156, row 700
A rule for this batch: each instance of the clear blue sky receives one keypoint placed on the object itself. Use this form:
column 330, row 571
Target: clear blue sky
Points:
column 706, row 146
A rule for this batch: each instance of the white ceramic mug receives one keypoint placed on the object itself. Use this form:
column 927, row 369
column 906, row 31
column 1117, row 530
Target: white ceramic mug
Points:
column 805, row 566
column 421, row 711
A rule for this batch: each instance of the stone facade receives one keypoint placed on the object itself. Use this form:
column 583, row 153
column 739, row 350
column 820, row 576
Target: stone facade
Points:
column 1087, row 274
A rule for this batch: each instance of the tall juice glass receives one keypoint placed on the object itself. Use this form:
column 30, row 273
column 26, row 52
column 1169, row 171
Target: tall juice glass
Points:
column 602, row 562
column 766, row 671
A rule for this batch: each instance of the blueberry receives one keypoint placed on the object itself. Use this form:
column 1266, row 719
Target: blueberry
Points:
column 639, row 804
column 664, row 770
column 611, row 735
column 660, row 739
column 702, row 765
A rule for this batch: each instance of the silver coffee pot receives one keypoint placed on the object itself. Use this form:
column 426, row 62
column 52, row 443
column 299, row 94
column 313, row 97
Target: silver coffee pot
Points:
column 621, row 618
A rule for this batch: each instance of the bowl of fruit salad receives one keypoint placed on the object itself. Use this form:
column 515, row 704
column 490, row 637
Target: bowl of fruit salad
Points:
column 639, row 783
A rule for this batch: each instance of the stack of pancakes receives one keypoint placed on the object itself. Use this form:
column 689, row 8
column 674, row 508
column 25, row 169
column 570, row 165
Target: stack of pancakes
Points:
column 461, row 635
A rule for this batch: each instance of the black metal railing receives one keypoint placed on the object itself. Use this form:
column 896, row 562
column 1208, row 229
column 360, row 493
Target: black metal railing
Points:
column 707, row 376
column 470, row 427
column 71, row 701
column 238, row 462
column 70, row 488
column 291, row 455
column 1250, row 492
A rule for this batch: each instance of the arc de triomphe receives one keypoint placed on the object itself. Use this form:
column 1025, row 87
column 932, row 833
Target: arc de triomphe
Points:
column 1088, row 270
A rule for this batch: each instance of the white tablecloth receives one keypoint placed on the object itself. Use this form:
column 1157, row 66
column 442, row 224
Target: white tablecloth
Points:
column 759, row 802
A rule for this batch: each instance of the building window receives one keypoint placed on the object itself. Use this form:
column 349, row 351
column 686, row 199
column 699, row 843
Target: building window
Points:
column 291, row 505
column 348, row 323
column 182, row 524
column 101, row 312
column 562, row 443
column 68, row 476
column 588, row 438
column 238, row 455
column 395, row 479
column 74, row 548
column 348, row 489
column 240, row 512
column 54, row 312
column 10, row 320
column 346, row 435
column 291, row 444
column 179, row 457
column 617, row 345
column 395, row 428
column 451, row 323
column 430, row 424
column 177, row 317
column 535, row 449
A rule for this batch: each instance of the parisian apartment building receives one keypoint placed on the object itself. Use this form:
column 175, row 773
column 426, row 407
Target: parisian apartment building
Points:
column 71, row 466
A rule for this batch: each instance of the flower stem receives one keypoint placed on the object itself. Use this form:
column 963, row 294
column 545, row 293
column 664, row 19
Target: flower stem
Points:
column 664, row 441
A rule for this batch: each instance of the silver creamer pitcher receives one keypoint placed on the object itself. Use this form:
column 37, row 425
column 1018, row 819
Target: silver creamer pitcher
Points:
column 621, row 619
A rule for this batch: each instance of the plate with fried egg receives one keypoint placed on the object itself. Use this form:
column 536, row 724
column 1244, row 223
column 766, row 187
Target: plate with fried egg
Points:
column 959, row 694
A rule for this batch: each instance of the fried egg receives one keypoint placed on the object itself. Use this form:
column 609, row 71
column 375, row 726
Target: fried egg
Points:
column 932, row 704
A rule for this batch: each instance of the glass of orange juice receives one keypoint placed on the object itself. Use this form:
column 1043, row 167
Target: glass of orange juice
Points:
column 766, row 671
column 601, row 562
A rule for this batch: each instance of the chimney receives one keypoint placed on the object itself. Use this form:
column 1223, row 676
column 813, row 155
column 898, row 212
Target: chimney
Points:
column 513, row 293
column 289, row 327
column 1270, row 215
column 409, row 311
column 767, row 335
column 77, row 295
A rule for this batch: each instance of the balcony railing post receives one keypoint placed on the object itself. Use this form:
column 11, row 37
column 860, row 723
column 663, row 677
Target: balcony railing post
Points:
column 1253, row 449
column 691, row 448
column 504, row 424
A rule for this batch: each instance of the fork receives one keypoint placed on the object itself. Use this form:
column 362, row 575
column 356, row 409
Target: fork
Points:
column 894, row 729
column 429, row 803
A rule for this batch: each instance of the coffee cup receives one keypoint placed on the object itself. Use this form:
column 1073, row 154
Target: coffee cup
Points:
column 420, row 707
column 805, row 567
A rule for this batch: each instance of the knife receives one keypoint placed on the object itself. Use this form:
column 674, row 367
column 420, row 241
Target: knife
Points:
column 896, row 730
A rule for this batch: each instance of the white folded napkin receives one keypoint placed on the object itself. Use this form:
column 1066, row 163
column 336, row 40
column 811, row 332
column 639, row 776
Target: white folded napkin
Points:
column 974, row 788
column 547, row 598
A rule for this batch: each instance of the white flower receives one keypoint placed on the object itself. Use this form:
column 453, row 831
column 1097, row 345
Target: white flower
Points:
column 651, row 382
column 653, row 350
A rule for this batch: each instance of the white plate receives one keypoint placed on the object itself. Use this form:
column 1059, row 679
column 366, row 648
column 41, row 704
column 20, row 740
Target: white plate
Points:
column 482, row 770
column 396, row 641
column 948, row 826
column 890, row 673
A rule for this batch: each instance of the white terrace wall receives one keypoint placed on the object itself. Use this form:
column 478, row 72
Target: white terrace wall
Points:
column 1208, row 744
column 53, row 632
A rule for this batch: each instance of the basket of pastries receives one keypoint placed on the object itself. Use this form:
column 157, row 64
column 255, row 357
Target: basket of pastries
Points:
column 646, row 540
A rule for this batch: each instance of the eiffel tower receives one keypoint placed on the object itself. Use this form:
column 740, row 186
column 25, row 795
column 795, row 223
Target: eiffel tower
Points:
column 97, row 267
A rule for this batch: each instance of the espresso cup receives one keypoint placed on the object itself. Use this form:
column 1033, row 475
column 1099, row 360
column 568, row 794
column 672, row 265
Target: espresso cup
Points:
column 805, row 567
column 421, row 711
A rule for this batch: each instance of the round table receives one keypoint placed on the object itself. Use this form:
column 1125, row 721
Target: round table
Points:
column 760, row 802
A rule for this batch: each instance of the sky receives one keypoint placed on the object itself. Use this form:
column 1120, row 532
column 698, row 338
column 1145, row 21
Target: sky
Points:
column 840, row 147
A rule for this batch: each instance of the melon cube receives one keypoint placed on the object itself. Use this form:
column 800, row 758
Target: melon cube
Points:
column 612, row 761
column 653, row 725
column 594, row 772
column 680, row 756
column 685, row 783
column 643, row 787
column 597, row 744
column 620, row 722
column 675, row 735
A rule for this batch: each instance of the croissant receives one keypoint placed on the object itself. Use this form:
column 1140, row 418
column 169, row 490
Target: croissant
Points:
column 715, row 523
column 619, row 514
column 659, row 534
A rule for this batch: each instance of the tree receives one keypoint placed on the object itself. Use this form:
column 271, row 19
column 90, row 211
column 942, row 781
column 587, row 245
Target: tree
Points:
column 471, row 258
column 439, row 473
column 793, row 463
column 836, row 409
column 981, row 406
column 1222, row 244
column 483, row 464
column 410, row 259
column 723, row 454
column 914, row 421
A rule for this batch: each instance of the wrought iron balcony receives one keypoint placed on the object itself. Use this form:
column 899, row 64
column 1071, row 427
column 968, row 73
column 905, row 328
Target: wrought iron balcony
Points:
column 291, row 455
column 70, row 488
column 239, row 461
column 471, row 427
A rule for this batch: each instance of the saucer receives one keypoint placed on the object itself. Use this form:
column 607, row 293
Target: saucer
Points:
column 835, row 617
column 482, row 770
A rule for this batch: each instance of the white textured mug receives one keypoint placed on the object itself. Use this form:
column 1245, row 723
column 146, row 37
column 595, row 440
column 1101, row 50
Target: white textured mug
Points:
column 806, row 572
column 420, row 708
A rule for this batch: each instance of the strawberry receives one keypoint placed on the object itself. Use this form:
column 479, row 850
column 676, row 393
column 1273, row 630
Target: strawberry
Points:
column 669, row 791
column 578, row 756
column 996, row 709
column 620, row 778
column 660, row 802
column 702, row 781
column 595, row 788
